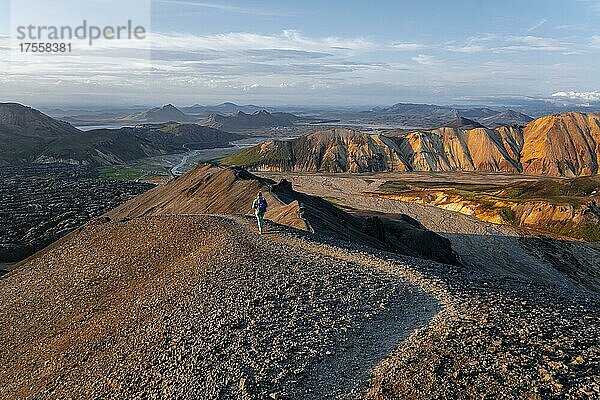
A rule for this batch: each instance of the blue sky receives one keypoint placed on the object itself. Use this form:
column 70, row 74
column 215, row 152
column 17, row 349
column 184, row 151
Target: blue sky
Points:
column 312, row 52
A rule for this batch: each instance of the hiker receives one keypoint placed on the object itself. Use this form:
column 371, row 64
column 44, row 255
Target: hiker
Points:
column 260, row 208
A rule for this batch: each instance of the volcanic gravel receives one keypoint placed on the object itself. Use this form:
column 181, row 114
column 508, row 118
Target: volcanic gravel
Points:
column 495, row 336
column 203, row 307
column 197, row 307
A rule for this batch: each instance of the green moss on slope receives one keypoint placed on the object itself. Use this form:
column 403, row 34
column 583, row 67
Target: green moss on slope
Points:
column 279, row 153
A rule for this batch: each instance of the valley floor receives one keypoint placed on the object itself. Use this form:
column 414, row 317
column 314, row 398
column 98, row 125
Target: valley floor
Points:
column 193, row 306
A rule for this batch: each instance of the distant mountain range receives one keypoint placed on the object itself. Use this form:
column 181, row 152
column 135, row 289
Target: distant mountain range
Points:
column 116, row 146
column 259, row 119
column 230, row 118
column 27, row 135
column 429, row 116
column 237, row 117
column 25, row 131
column 508, row 117
column 558, row 145
column 463, row 123
column 224, row 108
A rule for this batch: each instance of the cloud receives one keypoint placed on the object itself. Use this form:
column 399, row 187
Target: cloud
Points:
column 469, row 48
column 536, row 26
column 242, row 62
column 246, row 88
column 289, row 67
column 281, row 54
column 407, row 46
column 572, row 27
column 286, row 40
column 473, row 44
column 581, row 96
column 512, row 43
column 424, row 59
column 224, row 7
column 331, row 42
column 595, row 42
column 533, row 43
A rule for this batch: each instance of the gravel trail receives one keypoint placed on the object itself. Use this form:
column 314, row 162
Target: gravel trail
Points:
column 495, row 336
column 202, row 307
column 199, row 307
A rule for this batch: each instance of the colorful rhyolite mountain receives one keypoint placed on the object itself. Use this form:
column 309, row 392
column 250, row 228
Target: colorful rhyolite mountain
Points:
column 557, row 145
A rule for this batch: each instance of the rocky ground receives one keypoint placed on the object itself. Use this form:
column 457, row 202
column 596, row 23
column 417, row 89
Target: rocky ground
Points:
column 203, row 307
column 495, row 337
column 41, row 203
column 499, row 249
column 197, row 307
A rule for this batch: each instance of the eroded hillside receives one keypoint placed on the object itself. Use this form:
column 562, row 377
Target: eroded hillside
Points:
column 559, row 145
column 567, row 207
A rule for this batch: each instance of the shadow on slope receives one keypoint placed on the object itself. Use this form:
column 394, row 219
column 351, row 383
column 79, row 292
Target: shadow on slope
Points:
column 209, row 189
column 546, row 260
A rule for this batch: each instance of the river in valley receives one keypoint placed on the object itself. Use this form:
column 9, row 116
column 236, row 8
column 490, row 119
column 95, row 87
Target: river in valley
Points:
column 194, row 157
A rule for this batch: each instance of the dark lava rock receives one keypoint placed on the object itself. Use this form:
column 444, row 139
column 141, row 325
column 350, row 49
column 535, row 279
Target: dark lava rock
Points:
column 40, row 203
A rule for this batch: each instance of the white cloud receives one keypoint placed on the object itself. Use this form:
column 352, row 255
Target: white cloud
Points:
column 183, row 63
column 571, row 27
column 583, row 96
column 407, row 46
column 246, row 88
column 224, row 7
column 287, row 66
column 533, row 43
column 537, row 25
column 425, row 59
column 287, row 40
column 512, row 43
column 473, row 44
column 320, row 85
column 595, row 41
column 469, row 48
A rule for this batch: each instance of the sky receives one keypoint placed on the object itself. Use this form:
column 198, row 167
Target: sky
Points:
column 309, row 52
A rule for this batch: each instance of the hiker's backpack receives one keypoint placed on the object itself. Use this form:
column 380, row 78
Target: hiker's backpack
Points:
column 262, row 205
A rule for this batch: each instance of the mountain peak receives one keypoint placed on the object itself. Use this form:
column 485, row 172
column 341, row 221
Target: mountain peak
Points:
column 258, row 119
column 19, row 109
column 463, row 123
column 166, row 113
column 506, row 118
column 236, row 189
column 23, row 119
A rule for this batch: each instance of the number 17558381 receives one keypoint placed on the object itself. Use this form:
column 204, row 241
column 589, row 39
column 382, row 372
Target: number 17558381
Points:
column 53, row 47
